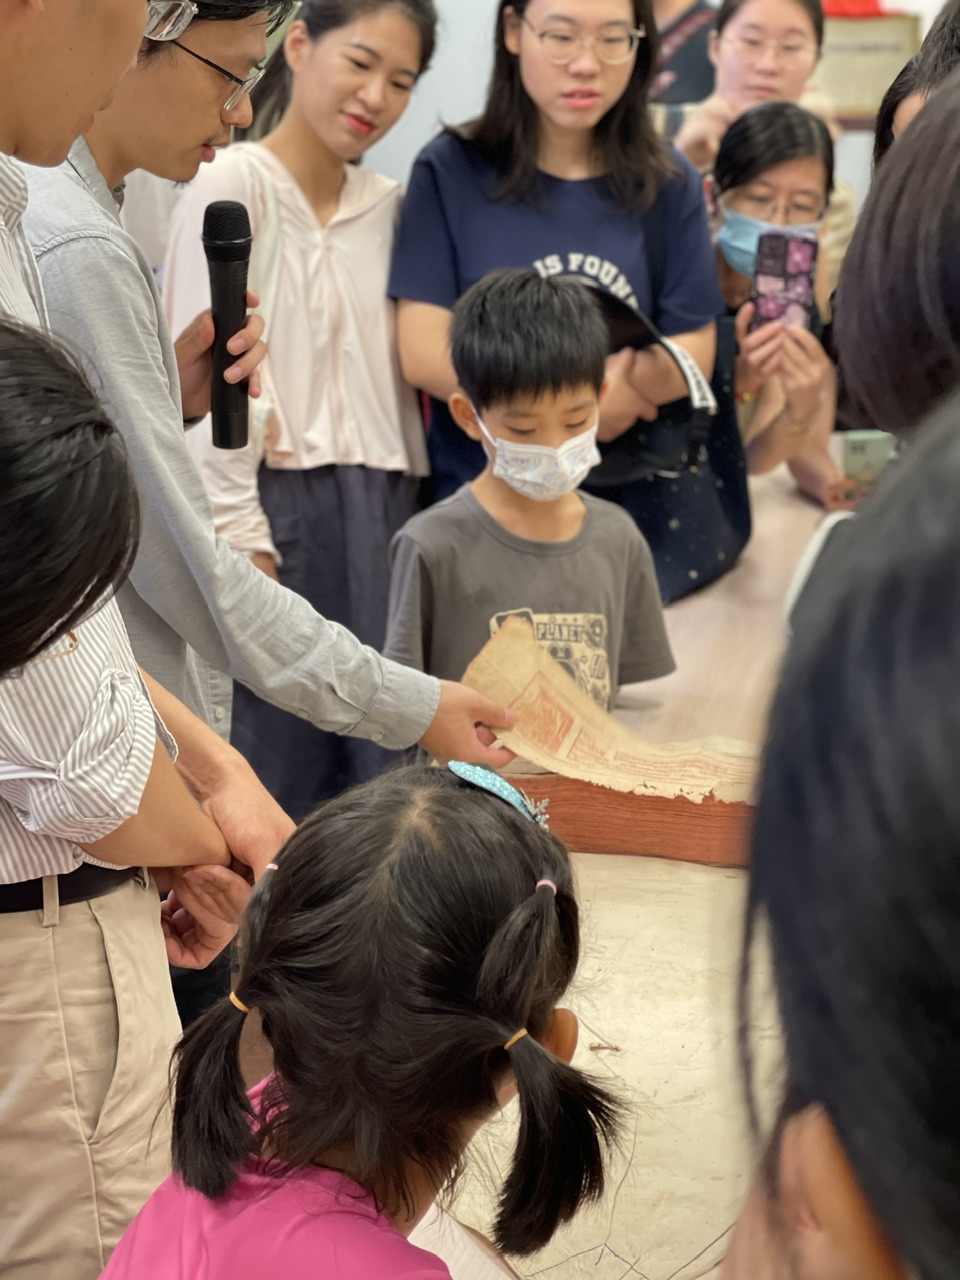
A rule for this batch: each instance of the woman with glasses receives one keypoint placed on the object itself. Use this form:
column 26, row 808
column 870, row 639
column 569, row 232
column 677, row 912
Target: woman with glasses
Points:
column 764, row 51
column 337, row 441
column 774, row 171
column 561, row 172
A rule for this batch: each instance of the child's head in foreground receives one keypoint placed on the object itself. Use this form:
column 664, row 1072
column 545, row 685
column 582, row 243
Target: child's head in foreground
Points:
column 530, row 354
column 414, row 928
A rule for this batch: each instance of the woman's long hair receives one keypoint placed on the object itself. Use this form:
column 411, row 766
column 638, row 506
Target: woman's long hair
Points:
column 633, row 159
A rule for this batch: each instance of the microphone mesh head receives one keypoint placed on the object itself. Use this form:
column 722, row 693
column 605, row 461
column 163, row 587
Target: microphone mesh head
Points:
column 226, row 220
column 226, row 232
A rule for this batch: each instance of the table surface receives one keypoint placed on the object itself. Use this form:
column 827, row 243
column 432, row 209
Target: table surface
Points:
column 729, row 638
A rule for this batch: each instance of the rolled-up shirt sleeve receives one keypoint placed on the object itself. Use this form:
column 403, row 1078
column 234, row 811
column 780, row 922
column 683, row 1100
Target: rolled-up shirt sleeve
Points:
column 98, row 782
column 78, row 734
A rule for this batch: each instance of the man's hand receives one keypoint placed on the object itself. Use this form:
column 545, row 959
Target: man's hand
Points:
column 202, row 913
column 195, row 364
column 465, row 727
column 252, row 823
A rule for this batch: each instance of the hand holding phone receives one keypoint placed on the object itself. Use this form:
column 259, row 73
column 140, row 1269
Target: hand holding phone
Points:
column 783, row 286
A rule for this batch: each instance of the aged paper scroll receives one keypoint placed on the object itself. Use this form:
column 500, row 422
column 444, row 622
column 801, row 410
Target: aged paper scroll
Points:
column 560, row 728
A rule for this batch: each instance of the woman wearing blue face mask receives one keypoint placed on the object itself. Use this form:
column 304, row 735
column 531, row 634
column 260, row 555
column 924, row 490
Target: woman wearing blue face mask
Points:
column 774, row 171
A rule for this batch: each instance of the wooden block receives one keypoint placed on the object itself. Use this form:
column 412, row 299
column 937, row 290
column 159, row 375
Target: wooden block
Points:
column 592, row 819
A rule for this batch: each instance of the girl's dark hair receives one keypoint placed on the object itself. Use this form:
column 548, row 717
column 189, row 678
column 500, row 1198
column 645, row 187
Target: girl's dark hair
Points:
column 271, row 97
column 634, row 160
column 277, row 12
column 812, row 8
column 854, row 864
column 768, row 135
column 897, row 310
column 68, row 504
column 926, row 71
column 399, row 946
column 905, row 86
column 515, row 334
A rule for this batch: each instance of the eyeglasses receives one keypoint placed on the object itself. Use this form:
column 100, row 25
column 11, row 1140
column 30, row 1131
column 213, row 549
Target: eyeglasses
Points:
column 167, row 19
column 243, row 86
column 791, row 53
column 612, row 47
column 798, row 213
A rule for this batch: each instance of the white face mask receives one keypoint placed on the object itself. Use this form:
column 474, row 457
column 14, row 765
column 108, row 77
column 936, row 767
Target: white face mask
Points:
column 539, row 472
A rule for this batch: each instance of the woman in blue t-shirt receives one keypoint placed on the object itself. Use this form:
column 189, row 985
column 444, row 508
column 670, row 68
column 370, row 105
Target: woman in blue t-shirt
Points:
column 562, row 172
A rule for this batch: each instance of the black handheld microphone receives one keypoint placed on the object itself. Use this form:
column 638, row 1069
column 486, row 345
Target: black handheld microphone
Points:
column 226, row 242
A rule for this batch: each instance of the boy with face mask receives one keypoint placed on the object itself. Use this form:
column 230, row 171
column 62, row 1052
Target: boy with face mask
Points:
column 520, row 540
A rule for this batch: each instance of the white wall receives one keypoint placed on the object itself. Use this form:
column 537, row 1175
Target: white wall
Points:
column 452, row 91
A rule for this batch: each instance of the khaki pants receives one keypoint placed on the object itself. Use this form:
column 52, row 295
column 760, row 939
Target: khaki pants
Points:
column 87, row 1022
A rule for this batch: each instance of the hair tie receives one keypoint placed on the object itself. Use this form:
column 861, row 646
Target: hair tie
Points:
column 238, row 1003
column 513, row 1039
column 271, row 866
column 547, row 884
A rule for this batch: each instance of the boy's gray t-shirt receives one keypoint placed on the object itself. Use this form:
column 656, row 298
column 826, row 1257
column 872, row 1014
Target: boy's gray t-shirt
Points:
column 593, row 601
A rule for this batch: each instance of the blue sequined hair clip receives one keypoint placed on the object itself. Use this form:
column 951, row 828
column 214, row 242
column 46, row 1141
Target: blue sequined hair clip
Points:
column 487, row 780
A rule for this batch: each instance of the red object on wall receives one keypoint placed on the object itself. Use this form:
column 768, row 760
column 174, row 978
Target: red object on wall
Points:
column 853, row 9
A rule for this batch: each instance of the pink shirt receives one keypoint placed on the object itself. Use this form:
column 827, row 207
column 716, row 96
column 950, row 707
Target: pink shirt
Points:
column 314, row 1224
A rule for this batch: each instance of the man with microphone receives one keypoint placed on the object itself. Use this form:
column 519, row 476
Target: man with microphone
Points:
column 200, row 614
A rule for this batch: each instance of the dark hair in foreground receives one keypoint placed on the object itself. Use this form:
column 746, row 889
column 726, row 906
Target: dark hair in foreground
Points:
column 813, row 8
column 767, row 135
column 399, row 946
column 633, row 158
column 515, row 334
column 938, row 58
column 855, row 863
column 905, row 86
column 271, row 97
column 68, row 505
column 897, row 310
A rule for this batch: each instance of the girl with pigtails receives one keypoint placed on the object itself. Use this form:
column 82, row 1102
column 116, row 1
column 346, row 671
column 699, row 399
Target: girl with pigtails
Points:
column 406, row 959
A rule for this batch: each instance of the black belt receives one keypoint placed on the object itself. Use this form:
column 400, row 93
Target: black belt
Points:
column 81, row 885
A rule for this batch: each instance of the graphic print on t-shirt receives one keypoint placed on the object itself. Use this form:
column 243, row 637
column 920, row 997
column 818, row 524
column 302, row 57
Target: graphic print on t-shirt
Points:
column 578, row 641
column 591, row 269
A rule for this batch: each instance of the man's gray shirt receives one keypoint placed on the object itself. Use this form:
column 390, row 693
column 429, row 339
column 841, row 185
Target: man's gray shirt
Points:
column 198, row 612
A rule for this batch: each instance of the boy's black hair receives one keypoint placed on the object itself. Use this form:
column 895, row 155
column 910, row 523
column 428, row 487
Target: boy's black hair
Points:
column 516, row 334
column 855, row 866
column 68, row 504
column 397, row 949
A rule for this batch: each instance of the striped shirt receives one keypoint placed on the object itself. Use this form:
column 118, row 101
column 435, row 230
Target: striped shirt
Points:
column 21, row 295
column 77, row 728
column 77, row 738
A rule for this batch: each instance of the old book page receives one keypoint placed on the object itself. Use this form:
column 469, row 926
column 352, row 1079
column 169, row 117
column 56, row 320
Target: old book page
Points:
column 560, row 728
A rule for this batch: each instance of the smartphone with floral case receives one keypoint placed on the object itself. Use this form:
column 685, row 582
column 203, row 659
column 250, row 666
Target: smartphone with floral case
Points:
column 783, row 286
